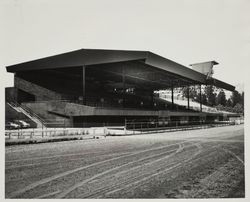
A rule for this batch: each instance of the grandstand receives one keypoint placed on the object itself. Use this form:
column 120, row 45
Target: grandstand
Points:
column 94, row 87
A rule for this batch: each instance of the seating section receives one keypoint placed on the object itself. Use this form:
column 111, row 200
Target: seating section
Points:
column 112, row 100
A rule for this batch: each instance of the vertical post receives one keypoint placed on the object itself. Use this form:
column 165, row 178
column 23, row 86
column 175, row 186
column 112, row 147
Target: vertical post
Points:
column 84, row 85
column 200, row 99
column 123, row 86
column 188, row 97
column 172, row 95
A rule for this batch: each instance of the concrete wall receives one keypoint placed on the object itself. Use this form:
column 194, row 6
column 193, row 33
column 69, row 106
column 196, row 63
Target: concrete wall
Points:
column 50, row 119
column 10, row 94
column 40, row 93
column 72, row 109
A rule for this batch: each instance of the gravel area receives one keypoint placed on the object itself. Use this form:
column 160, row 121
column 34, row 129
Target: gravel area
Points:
column 207, row 163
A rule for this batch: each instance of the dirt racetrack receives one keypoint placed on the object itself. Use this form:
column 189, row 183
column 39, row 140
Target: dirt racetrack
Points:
column 206, row 163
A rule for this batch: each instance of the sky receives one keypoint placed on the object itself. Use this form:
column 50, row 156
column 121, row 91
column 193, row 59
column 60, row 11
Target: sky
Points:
column 185, row 31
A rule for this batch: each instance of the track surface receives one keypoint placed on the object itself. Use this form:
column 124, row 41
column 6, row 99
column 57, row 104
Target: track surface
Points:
column 191, row 164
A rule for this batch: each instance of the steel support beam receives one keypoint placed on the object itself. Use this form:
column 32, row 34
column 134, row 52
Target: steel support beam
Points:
column 83, row 85
column 123, row 87
column 200, row 99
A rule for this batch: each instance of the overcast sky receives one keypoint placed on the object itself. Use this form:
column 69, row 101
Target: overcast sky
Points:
column 184, row 31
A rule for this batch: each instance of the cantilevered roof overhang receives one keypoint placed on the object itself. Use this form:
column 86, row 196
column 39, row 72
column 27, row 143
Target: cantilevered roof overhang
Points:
column 88, row 57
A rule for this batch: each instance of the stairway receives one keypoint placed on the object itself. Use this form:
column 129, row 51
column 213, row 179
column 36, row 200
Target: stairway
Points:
column 27, row 112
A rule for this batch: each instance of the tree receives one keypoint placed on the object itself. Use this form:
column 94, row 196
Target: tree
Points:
column 242, row 99
column 236, row 98
column 192, row 93
column 204, row 99
column 210, row 94
column 238, row 108
column 221, row 98
column 229, row 103
column 220, row 107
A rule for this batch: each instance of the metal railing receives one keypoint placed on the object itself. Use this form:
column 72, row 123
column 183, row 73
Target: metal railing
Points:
column 130, row 128
column 166, row 126
column 40, row 133
column 28, row 111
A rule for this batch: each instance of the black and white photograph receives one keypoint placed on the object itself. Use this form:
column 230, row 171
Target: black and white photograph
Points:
column 126, row 99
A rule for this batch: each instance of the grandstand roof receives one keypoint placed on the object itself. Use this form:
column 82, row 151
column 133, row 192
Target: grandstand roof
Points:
column 88, row 57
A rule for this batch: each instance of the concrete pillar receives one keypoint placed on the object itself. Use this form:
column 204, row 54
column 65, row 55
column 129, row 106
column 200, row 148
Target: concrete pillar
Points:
column 200, row 99
column 188, row 97
column 84, row 84
column 123, row 87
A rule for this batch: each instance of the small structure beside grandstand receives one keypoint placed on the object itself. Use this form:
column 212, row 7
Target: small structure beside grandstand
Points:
column 93, row 87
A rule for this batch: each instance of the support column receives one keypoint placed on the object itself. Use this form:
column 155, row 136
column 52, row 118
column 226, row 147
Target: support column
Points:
column 188, row 97
column 83, row 85
column 200, row 99
column 123, row 87
column 172, row 95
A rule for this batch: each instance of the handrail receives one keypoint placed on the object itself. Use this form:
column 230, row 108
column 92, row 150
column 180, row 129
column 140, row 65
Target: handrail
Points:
column 29, row 111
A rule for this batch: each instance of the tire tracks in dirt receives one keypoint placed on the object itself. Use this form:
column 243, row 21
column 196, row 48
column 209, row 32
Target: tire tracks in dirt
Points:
column 63, row 174
column 66, row 192
column 139, row 181
column 234, row 155
column 58, row 161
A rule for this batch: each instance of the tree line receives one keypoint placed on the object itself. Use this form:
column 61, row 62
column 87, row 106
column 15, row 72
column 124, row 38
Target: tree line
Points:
column 215, row 97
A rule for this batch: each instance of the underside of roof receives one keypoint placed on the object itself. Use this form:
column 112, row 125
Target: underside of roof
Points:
column 88, row 57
